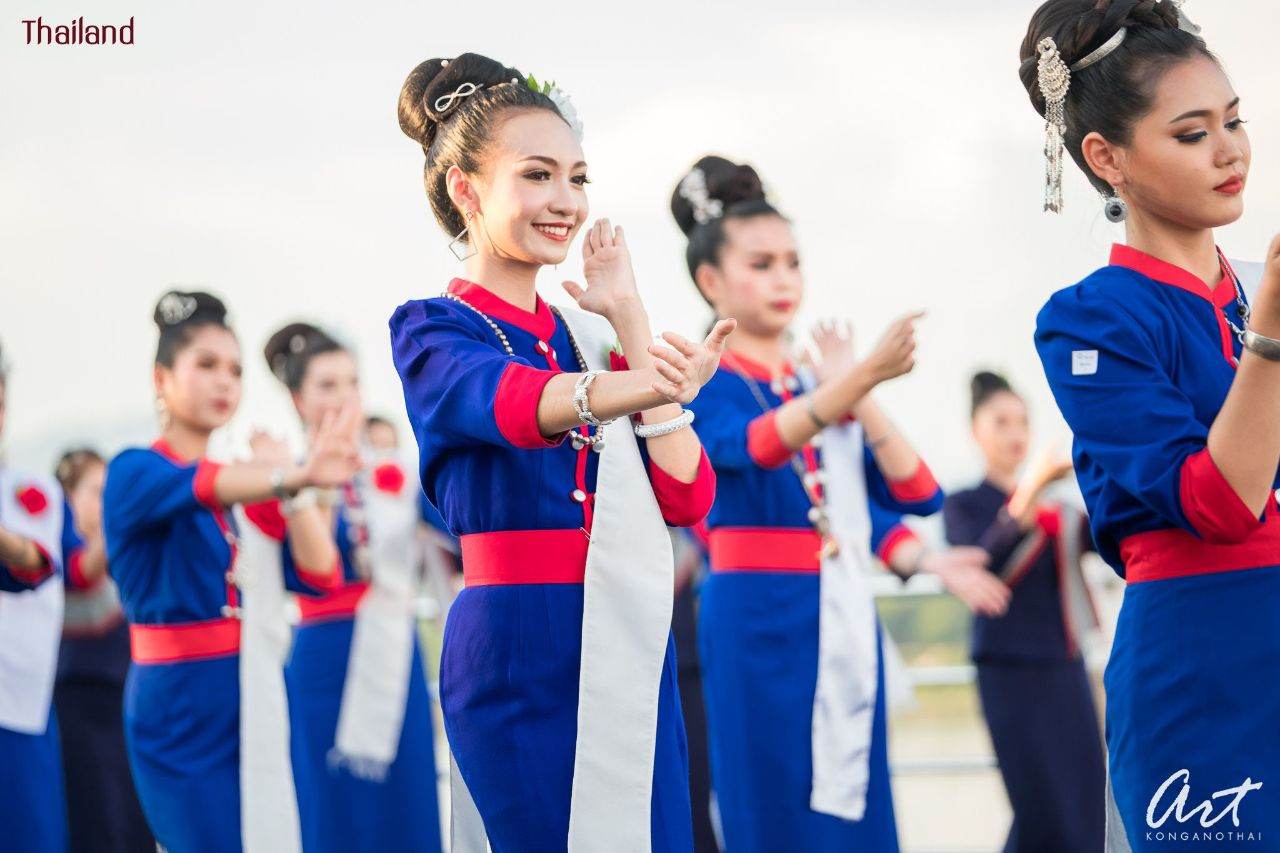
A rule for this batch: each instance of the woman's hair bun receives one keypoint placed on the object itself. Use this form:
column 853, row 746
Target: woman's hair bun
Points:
column 184, row 308
column 438, row 87
column 986, row 385
column 290, row 350
column 710, row 188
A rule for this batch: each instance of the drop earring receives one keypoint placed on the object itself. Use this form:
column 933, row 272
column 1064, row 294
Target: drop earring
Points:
column 1115, row 208
column 459, row 245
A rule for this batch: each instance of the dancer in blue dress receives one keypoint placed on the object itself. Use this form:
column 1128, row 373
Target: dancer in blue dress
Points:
column 173, row 552
column 1036, row 695
column 1170, row 380
column 557, row 679
column 814, row 478
column 359, row 714
column 33, row 815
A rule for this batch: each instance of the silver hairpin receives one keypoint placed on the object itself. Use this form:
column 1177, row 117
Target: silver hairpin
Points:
column 1110, row 45
column 444, row 102
column 176, row 308
column 297, row 343
column 693, row 189
column 1054, row 79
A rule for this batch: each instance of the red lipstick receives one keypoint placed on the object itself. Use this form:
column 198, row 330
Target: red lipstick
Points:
column 1232, row 186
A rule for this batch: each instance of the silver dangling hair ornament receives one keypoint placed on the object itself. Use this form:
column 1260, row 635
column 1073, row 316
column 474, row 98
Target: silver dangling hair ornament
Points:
column 693, row 189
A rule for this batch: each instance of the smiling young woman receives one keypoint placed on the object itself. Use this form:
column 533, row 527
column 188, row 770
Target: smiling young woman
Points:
column 557, row 681
column 1171, row 386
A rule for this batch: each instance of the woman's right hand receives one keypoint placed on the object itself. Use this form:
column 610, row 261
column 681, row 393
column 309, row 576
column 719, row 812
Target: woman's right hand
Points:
column 963, row 571
column 895, row 354
column 335, row 449
column 684, row 367
column 606, row 265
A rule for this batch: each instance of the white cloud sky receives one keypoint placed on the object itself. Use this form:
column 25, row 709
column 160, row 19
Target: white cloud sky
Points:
column 252, row 149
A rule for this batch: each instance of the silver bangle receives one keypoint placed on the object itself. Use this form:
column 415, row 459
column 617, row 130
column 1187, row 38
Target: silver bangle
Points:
column 676, row 424
column 1261, row 345
column 277, row 484
column 813, row 413
column 580, row 404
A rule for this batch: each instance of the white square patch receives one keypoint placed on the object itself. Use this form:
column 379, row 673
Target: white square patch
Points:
column 1084, row 362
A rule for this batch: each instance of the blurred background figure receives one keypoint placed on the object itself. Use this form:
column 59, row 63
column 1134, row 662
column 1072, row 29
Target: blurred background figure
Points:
column 102, row 807
column 1035, row 690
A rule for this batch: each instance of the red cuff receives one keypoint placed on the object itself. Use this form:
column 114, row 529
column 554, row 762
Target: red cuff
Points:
column 267, row 517
column 202, row 485
column 920, row 486
column 34, row 577
column 324, row 582
column 764, row 444
column 75, row 571
column 684, row 504
column 897, row 536
column 617, row 361
column 1214, row 509
column 515, row 407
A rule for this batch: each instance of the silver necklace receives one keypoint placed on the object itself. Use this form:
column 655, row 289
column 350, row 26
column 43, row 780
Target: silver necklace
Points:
column 579, row 439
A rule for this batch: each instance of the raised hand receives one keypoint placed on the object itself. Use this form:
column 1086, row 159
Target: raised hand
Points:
column 963, row 571
column 895, row 354
column 684, row 366
column 833, row 342
column 606, row 265
column 335, row 448
column 1265, row 318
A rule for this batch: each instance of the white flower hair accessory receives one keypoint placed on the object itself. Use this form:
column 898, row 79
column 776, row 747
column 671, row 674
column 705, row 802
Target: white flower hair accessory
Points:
column 561, row 100
column 176, row 308
column 693, row 189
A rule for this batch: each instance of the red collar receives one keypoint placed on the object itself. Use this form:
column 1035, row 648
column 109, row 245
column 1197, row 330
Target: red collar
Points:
column 166, row 450
column 1224, row 293
column 540, row 323
column 757, row 370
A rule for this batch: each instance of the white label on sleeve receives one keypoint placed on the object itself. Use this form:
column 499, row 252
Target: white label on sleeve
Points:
column 1084, row 362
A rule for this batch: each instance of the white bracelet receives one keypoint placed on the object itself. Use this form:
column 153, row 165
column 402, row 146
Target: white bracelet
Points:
column 666, row 427
column 580, row 404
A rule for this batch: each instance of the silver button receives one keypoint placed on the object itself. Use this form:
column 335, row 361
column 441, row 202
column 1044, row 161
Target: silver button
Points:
column 230, row 612
column 231, row 578
column 229, row 536
column 543, row 347
column 579, row 496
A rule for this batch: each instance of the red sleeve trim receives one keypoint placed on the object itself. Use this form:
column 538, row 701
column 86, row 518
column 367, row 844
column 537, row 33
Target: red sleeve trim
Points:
column 920, row 486
column 323, row 581
column 268, row 517
column 202, row 485
column 75, row 571
column 684, row 504
column 764, row 443
column 1214, row 509
column 33, row 577
column 897, row 536
column 515, row 407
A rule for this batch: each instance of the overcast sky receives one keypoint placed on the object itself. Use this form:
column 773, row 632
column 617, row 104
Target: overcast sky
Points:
column 252, row 149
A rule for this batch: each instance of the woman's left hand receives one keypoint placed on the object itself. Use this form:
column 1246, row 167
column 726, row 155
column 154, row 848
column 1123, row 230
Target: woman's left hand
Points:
column 833, row 341
column 963, row 571
column 684, row 367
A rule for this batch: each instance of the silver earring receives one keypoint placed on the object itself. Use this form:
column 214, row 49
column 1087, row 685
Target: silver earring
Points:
column 462, row 248
column 1115, row 209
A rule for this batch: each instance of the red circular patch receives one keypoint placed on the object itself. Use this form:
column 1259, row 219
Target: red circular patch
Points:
column 33, row 500
column 388, row 478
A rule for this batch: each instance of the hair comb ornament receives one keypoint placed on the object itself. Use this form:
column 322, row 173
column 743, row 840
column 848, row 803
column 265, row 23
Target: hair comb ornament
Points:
column 693, row 189
column 444, row 102
column 176, row 308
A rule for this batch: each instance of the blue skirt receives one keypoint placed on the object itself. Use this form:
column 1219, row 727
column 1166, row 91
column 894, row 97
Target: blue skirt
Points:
column 509, row 692
column 339, row 811
column 1193, row 710
column 33, row 811
column 182, row 728
column 759, row 643
column 1044, row 727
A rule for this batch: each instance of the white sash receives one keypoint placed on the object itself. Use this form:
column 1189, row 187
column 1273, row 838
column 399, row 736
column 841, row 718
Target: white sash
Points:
column 30, row 621
column 626, row 622
column 376, row 688
column 268, row 805
column 845, row 699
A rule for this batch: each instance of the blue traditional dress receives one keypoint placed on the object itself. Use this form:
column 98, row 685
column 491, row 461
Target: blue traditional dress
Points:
column 1035, row 691
column 759, row 628
column 1140, row 357
column 345, row 803
column 33, row 817
column 102, row 807
column 522, row 506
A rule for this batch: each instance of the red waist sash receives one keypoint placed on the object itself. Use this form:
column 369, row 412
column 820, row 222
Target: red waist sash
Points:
column 765, row 549
column 341, row 604
column 511, row 557
column 1164, row 554
column 185, row 641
